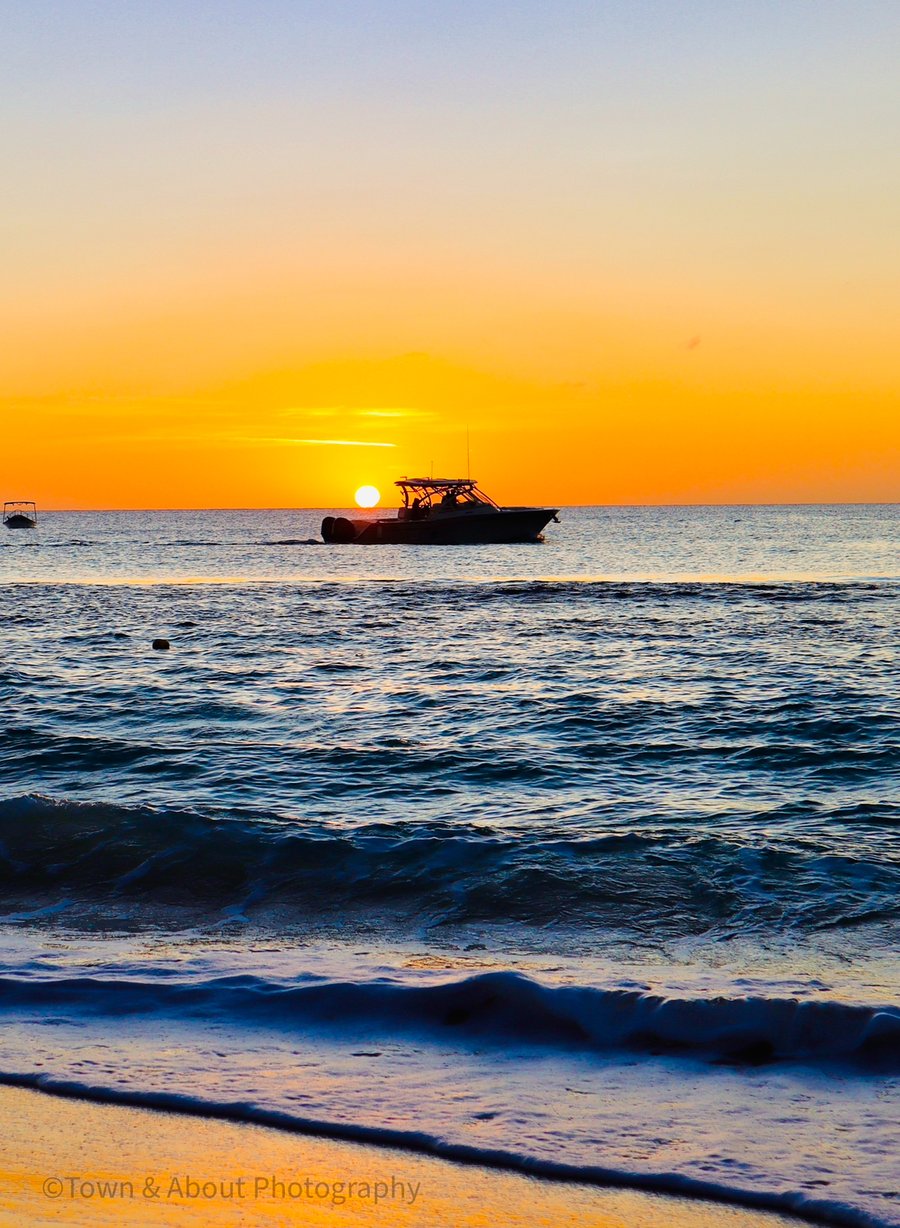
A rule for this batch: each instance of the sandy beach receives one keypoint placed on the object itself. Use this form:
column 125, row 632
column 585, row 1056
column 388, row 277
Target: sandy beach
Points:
column 75, row 1163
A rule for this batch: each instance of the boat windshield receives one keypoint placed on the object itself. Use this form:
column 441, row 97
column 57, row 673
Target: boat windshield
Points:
column 432, row 494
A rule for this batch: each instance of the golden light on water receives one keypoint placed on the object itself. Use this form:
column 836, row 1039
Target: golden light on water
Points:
column 368, row 496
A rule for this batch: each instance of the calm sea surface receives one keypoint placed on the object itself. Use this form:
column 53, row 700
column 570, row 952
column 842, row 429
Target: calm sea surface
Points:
column 587, row 852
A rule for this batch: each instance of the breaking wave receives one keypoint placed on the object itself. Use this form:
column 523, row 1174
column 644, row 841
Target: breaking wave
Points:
column 439, row 872
column 503, row 1008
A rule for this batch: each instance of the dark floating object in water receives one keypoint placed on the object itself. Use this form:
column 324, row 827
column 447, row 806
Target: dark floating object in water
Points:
column 20, row 514
column 443, row 511
column 159, row 645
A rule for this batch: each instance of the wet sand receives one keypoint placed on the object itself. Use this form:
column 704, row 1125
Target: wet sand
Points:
column 76, row 1163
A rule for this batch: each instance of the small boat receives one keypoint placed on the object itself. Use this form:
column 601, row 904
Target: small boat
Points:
column 445, row 512
column 19, row 514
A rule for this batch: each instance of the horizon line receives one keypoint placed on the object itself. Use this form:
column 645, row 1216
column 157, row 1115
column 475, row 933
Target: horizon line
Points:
column 323, row 507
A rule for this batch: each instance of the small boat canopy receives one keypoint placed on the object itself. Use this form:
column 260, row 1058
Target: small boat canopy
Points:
column 425, row 492
column 19, row 513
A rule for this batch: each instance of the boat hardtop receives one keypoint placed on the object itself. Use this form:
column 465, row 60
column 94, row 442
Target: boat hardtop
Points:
column 442, row 495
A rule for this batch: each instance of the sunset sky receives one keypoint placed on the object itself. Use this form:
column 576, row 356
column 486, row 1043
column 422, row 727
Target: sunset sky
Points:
column 259, row 252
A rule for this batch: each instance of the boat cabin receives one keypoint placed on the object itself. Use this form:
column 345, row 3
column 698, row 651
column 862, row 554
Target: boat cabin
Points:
column 427, row 497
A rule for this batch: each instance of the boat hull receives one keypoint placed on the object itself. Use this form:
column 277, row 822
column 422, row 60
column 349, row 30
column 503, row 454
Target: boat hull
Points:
column 19, row 522
column 508, row 525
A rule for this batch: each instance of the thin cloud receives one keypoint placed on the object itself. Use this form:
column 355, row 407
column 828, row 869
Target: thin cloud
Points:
column 219, row 438
column 394, row 413
column 337, row 443
column 355, row 411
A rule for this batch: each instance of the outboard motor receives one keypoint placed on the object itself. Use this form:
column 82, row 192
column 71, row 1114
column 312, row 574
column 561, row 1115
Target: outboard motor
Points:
column 339, row 530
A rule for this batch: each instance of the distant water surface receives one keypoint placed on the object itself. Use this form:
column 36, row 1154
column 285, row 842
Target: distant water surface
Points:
column 585, row 851
column 664, row 543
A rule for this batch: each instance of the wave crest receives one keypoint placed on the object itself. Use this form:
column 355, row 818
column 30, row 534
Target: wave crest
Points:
column 437, row 873
column 501, row 1007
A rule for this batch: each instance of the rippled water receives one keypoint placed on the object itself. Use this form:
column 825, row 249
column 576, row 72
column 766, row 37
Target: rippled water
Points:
column 615, row 813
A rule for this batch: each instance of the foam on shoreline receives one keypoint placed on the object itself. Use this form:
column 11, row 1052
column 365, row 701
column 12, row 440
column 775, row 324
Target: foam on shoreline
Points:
column 795, row 1204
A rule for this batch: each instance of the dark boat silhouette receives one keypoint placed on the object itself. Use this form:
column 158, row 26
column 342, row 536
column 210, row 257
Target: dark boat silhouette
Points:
column 19, row 514
column 443, row 511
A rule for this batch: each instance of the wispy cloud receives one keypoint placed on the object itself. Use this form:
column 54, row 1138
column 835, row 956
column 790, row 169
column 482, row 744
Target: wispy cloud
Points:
column 338, row 443
column 236, row 439
column 393, row 413
column 353, row 411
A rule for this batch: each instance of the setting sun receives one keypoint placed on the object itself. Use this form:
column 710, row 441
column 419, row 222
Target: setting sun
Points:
column 367, row 496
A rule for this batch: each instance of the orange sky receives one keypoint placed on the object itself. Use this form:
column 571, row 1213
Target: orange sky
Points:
column 631, row 287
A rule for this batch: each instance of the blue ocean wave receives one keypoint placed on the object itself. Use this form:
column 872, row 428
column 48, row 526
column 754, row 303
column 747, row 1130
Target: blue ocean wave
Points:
column 503, row 1008
column 632, row 749
column 438, row 873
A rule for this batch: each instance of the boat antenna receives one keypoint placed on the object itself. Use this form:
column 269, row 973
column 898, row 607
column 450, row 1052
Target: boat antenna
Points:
column 468, row 461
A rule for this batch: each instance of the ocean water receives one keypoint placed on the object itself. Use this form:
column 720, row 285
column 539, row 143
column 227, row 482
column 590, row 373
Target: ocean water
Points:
column 582, row 855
